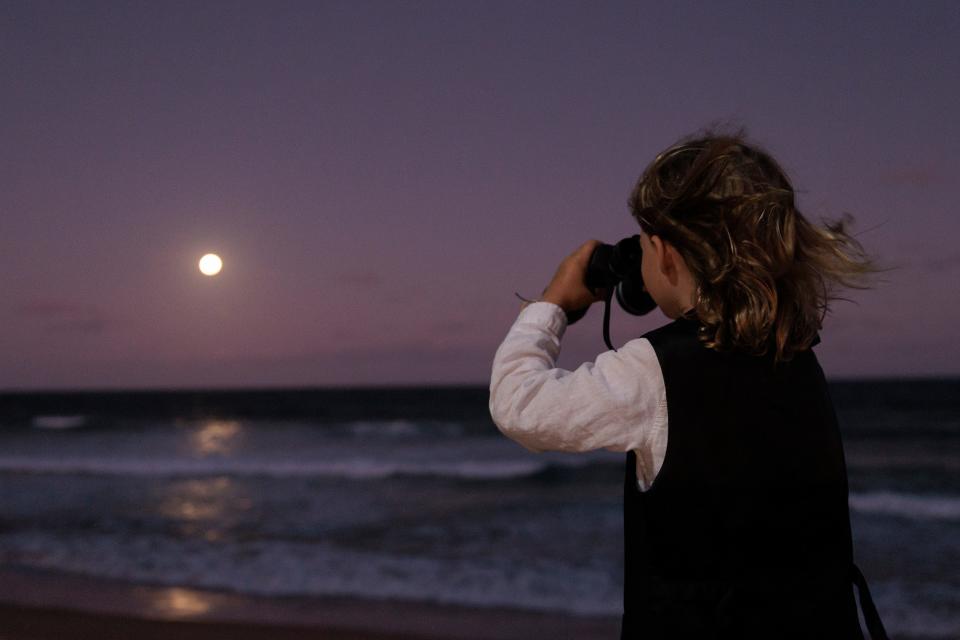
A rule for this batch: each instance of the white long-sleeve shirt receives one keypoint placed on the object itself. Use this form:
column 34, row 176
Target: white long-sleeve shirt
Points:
column 616, row 403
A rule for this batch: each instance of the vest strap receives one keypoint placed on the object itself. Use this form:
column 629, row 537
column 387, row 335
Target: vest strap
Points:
column 870, row 615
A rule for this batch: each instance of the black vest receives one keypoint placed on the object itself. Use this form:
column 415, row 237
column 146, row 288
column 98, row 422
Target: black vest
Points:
column 745, row 533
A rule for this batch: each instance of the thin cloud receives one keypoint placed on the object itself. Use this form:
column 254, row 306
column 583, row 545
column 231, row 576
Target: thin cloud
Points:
column 47, row 308
column 910, row 177
column 451, row 327
column 62, row 316
column 365, row 279
column 407, row 363
column 938, row 265
column 78, row 325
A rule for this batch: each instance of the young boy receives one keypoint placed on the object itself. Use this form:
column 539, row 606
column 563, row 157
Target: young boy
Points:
column 737, row 525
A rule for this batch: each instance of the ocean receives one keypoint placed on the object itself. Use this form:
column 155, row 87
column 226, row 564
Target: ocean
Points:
column 414, row 494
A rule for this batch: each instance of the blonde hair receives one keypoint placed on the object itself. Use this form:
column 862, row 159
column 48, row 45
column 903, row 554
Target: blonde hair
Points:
column 766, row 276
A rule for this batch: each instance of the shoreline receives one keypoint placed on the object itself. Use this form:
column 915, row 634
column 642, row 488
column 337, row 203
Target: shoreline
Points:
column 41, row 605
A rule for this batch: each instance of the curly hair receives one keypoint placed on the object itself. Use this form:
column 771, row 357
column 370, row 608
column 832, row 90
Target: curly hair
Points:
column 765, row 275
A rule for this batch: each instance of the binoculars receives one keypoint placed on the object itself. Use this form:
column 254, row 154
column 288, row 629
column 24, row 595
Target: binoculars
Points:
column 616, row 269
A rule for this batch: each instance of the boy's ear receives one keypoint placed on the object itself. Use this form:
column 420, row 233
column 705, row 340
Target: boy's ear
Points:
column 667, row 258
column 662, row 250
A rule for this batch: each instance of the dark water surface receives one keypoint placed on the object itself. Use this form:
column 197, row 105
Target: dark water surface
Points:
column 413, row 493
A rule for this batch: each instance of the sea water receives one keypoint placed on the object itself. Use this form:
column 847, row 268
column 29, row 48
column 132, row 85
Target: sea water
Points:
column 414, row 494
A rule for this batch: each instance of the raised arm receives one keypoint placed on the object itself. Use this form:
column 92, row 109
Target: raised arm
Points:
column 614, row 403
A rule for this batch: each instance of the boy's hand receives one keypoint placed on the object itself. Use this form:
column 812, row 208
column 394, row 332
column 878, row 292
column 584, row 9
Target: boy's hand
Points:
column 567, row 289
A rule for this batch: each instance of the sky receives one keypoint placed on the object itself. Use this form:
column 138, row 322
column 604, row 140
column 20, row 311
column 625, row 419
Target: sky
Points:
column 381, row 177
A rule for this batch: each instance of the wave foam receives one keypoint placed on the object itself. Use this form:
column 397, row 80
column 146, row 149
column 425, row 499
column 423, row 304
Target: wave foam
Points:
column 58, row 422
column 357, row 469
column 907, row 505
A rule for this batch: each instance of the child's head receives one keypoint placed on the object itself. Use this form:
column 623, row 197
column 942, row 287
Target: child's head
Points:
column 720, row 221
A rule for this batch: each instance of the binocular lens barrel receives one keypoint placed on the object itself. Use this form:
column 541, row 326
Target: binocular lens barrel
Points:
column 617, row 267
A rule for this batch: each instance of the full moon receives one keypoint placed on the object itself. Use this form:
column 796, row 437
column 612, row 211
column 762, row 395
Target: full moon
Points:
column 210, row 264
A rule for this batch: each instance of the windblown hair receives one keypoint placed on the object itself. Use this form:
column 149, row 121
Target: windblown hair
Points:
column 765, row 275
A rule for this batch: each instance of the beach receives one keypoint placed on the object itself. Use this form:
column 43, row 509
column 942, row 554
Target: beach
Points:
column 37, row 605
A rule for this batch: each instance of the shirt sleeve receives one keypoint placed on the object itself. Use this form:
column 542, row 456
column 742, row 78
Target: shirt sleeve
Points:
column 616, row 403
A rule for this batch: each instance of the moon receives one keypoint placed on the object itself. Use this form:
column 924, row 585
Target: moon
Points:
column 210, row 264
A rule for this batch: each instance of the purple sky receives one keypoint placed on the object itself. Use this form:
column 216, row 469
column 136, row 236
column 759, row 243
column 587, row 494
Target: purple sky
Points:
column 379, row 178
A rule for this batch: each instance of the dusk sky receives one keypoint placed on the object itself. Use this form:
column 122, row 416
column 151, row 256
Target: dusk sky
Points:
column 379, row 178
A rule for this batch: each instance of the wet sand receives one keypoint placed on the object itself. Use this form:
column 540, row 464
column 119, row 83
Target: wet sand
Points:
column 38, row 605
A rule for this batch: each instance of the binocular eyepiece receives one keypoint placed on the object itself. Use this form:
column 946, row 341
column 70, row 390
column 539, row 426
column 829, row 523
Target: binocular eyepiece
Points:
column 616, row 268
